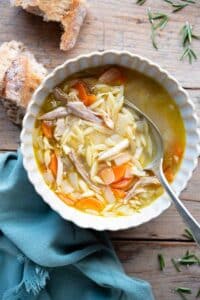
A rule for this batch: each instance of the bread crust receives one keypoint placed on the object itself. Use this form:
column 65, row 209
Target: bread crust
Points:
column 8, row 52
column 70, row 13
column 21, row 78
column 72, row 23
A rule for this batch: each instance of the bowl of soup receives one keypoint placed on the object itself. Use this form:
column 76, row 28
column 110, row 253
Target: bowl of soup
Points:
column 85, row 152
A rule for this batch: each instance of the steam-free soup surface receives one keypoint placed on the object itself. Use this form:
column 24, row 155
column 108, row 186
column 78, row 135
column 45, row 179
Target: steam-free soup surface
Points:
column 92, row 150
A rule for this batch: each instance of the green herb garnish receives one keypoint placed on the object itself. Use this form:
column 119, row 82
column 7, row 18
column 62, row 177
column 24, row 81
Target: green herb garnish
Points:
column 161, row 262
column 187, row 36
column 177, row 6
column 189, row 1
column 188, row 234
column 189, row 259
column 157, row 21
column 182, row 291
column 140, row 2
column 198, row 294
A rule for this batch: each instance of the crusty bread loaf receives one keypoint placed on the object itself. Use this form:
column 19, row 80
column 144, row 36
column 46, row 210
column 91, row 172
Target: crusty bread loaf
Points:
column 70, row 13
column 19, row 78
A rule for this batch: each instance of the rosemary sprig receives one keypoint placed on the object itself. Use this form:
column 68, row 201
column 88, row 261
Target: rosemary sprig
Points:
column 198, row 294
column 140, row 2
column 177, row 6
column 189, row 259
column 182, row 291
column 161, row 261
column 188, row 234
column 157, row 21
column 187, row 37
column 187, row 34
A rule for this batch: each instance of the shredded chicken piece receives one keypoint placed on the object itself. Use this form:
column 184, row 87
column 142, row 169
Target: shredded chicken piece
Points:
column 60, row 95
column 81, row 170
column 107, row 120
column 57, row 113
column 141, row 182
column 78, row 109
column 114, row 150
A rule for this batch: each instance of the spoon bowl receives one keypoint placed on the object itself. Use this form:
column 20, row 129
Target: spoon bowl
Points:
column 156, row 167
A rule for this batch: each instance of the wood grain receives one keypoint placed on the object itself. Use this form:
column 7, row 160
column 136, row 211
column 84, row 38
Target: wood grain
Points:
column 140, row 260
column 123, row 25
column 109, row 25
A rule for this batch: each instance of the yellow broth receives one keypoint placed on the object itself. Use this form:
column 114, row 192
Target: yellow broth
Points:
column 152, row 99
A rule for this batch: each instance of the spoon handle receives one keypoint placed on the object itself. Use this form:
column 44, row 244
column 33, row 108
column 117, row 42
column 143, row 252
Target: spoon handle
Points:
column 189, row 220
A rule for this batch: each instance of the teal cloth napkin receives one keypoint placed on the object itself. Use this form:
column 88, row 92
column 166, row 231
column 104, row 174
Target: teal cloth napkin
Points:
column 44, row 257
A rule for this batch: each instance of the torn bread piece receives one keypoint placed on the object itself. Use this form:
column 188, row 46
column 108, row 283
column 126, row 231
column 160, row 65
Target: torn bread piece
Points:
column 70, row 13
column 18, row 80
column 8, row 52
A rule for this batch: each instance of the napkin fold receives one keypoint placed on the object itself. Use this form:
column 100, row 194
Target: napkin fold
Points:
column 44, row 257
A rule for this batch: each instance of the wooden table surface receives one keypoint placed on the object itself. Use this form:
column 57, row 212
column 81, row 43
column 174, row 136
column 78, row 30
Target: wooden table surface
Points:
column 122, row 25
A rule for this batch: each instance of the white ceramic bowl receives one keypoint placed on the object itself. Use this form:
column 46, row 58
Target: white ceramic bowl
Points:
column 146, row 67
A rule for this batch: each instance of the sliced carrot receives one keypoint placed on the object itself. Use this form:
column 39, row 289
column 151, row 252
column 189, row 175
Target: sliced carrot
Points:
column 47, row 130
column 53, row 165
column 169, row 174
column 119, row 171
column 113, row 76
column 89, row 203
column 83, row 94
column 91, row 98
column 123, row 184
column 69, row 200
column 119, row 193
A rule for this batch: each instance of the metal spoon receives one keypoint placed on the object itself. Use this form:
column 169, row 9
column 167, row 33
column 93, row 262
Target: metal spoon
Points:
column 156, row 166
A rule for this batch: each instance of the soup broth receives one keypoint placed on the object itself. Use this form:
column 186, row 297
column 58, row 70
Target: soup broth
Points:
column 92, row 150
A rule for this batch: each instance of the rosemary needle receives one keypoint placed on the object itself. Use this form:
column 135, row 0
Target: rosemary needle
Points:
column 140, row 2
column 161, row 262
column 198, row 294
column 178, row 7
column 189, row 1
column 188, row 234
column 182, row 291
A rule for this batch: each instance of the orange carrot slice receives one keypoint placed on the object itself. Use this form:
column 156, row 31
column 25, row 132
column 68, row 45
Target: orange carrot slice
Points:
column 119, row 193
column 119, row 171
column 91, row 98
column 123, row 184
column 89, row 203
column 53, row 165
column 69, row 200
column 47, row 130
column 113, row 76
column 87, row 99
